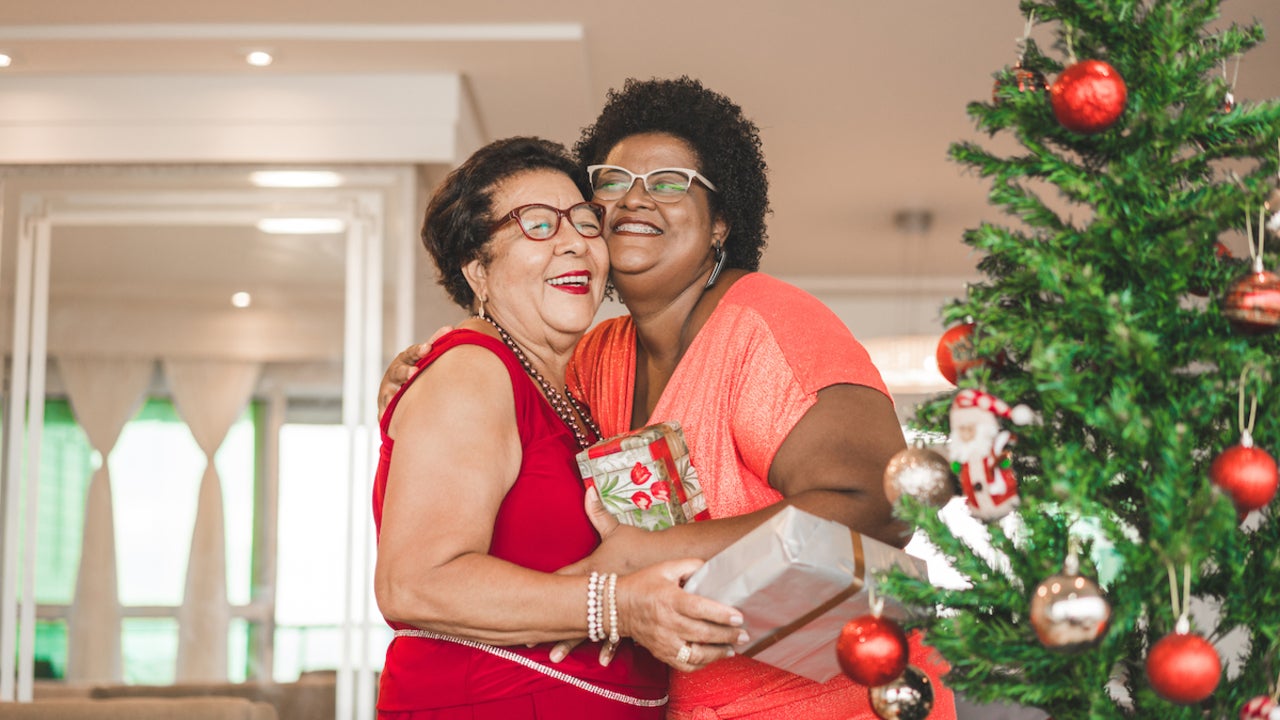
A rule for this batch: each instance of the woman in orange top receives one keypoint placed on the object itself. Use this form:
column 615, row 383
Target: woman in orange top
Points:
column 779, row 403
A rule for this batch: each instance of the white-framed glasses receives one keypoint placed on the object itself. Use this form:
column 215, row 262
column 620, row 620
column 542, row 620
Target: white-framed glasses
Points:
column 610, row 182
column 541, row 222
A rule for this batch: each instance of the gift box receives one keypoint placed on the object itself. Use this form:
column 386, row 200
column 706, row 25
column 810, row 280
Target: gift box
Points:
column 797, row 579
column 645, row 478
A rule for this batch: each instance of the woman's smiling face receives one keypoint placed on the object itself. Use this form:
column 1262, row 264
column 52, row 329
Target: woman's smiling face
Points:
column 669, row 244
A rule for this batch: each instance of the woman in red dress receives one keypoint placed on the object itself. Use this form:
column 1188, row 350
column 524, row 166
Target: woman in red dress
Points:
column 477, row 498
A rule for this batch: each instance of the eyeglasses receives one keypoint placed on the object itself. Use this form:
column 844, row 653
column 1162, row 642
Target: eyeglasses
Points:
column 667, row 185
column 542, row 222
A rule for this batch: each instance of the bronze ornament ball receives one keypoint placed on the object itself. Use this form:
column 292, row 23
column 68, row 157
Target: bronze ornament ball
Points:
column 1069, row 612
column 921, row 473
column 910, row 697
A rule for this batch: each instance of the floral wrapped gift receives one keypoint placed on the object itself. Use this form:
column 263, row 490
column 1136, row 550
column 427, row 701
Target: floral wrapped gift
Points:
column 645, row 478
column 798, row 578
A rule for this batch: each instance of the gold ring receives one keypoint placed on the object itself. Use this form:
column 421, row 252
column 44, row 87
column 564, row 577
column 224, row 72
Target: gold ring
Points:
column 682, row 657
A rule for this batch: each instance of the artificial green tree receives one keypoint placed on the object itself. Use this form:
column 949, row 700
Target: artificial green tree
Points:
column 1102, row 309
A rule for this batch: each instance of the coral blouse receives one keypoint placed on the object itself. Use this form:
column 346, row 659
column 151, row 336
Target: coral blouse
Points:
column 747, row 378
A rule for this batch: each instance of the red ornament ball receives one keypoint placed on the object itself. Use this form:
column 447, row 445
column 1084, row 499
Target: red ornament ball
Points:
column 1088, row 97
column 1252, row 304
column 1183, row 668
column 1248, row 474
column 955, row 352
column 872, row 650
column 1260, row 708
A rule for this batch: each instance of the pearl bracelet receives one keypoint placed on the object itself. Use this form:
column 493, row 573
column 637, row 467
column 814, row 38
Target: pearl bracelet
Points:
column 614, row 637
column 595, row 609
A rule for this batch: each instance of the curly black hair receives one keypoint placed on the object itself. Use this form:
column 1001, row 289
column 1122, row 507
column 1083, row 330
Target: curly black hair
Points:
column 726, row 143
column 459, row 218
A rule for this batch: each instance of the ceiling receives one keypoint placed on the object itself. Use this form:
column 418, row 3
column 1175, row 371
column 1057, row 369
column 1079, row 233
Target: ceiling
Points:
column 857, row 101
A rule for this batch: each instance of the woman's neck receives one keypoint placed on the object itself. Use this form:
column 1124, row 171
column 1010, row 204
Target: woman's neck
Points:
column 551, row 361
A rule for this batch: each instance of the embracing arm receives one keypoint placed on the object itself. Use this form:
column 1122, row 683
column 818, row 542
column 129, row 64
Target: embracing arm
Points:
column 831, row 464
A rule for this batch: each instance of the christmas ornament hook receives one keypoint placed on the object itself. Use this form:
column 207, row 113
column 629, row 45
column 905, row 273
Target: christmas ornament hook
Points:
column 1246, row 431
column 1181, row 611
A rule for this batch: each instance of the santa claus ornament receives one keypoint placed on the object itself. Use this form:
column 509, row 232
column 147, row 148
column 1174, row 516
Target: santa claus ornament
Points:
column 980, row 452
column 1088, row 97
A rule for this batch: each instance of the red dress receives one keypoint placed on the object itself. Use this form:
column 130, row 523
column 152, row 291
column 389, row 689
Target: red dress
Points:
column 540, row 525
column 750, row 374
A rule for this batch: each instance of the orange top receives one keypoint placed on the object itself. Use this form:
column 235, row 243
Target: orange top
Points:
column 747, row 378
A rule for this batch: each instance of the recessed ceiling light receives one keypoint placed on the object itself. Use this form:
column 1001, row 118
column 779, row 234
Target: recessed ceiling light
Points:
column 259, row 58
column 295, row 178
column 241, row 299
column 301, row 226
column 5, row 60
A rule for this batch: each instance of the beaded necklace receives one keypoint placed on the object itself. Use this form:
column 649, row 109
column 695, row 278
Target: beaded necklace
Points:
column 563, row 409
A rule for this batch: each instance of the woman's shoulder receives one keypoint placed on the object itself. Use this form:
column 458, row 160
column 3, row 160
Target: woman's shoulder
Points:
column 781, row 305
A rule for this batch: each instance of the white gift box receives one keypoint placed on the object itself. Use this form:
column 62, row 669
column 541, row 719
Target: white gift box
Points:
column 797, row 579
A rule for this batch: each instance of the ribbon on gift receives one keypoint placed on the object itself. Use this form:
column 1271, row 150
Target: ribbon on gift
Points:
column 859, row 569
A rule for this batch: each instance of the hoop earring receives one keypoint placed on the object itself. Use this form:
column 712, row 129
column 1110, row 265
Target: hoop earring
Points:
column 721, row 256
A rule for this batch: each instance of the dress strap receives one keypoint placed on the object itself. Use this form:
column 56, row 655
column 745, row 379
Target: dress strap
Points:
column 536, row 667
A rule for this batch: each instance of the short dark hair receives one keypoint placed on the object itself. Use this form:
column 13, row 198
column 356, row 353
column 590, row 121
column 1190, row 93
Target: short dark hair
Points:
column 726, row 143
column 459, row 219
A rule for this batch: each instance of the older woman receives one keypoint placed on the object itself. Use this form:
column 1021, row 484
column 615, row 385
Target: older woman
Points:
column 477, row 498
column 778, row 401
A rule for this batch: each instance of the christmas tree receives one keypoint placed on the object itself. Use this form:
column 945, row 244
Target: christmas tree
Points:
column 1149, row 360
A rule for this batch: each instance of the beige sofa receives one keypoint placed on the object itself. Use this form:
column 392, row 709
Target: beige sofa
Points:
column 311, row 697
column 186, row 708
column 302, row 700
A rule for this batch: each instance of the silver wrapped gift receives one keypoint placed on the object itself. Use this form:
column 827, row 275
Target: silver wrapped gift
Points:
column 797, row 579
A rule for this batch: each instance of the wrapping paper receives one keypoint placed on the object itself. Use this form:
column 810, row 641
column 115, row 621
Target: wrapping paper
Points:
column 797, row 579
column 645, row 478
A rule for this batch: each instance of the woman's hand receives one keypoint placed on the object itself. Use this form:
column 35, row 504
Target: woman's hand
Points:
column 403, row 367
column 656, row 611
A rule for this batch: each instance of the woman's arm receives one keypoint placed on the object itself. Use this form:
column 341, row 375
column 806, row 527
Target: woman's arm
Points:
column 457, row 453
column 831, row 464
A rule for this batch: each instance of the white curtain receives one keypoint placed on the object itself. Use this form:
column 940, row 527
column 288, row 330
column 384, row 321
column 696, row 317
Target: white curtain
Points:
column 104, row 394
column 209, row 395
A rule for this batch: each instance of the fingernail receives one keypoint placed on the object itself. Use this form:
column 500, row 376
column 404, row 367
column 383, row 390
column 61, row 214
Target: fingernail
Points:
column 735, row 620
column 743, row 637
column 731, row 653
column 557, row 654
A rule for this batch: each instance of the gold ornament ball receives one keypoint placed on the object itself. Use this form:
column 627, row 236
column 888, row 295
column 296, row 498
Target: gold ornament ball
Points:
column 921, row 473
